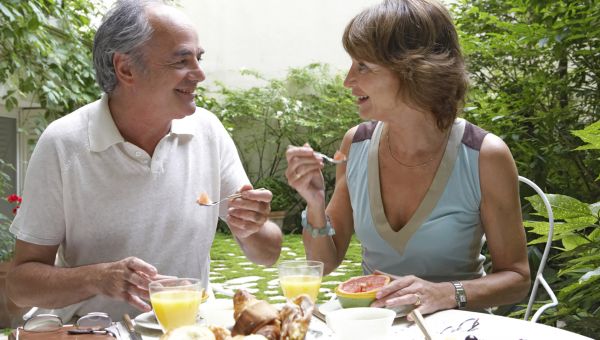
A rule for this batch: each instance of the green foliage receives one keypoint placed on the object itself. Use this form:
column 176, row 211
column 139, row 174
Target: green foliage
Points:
column 284, row 196
column 535, row 67
column 310, row 105
column 591, row 136
column 7, row 240
column 576, row 253
column 45, row 52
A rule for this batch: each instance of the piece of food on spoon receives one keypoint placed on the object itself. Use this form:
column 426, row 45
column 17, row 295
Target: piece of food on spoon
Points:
column 203, row 199
column 339, row 156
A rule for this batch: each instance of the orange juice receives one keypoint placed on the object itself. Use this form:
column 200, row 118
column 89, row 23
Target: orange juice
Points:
column 294, row 285
column 175, row 308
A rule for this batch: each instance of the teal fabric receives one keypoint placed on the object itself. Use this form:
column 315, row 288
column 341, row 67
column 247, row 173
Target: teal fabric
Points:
column 447, row 246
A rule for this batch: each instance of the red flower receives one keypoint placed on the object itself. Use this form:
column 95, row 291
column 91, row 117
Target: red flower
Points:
column 14, row 198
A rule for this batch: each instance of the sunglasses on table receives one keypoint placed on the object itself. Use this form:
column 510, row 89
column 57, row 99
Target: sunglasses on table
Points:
column 91, row 323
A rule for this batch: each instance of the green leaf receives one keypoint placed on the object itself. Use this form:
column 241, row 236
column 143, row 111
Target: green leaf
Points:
column 589, row 275
column 590, row 135
column 572, row 241
column 595, row 208
column 7, row 12
column 560, row 228
column 563, row 207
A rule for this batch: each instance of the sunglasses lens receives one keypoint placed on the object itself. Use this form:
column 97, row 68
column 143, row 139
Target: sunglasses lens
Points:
column 43, row 323
column 94, row 321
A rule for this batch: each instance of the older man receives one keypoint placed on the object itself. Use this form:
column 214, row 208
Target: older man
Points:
column 109, row 198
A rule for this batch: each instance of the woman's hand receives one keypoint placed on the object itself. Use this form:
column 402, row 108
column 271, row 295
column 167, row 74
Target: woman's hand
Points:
column 304, row 173
column 427, row 297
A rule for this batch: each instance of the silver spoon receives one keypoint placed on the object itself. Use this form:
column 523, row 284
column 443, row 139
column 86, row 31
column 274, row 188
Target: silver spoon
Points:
column 232, row 196
column 210, row 204
column 331, row 160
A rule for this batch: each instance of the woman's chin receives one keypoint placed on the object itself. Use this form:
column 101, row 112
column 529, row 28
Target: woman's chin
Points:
column 364, row 115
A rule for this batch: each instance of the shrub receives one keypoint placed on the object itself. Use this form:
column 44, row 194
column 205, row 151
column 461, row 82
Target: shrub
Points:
column 7, row 240
column 576, row 255
column 310, row 105
column 284, row 196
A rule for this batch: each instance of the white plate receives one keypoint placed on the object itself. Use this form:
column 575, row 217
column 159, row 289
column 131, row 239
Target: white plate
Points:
column 329, row 306
column 334, row 304
column 218, row 312
column 147, row 320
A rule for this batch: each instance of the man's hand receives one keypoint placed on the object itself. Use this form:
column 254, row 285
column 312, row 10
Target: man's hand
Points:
column 128, row 280
column 247, row 214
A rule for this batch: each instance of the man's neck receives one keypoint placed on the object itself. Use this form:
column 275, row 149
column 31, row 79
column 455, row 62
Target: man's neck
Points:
column 138, row 124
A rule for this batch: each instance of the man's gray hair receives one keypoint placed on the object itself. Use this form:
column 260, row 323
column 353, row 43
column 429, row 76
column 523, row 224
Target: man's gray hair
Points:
column 124, row 29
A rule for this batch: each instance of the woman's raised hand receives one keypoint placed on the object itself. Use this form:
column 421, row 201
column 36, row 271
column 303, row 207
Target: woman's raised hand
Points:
column 304, row 173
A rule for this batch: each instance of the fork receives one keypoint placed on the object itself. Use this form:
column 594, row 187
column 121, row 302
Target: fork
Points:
column 235, row 195
column 329, row 159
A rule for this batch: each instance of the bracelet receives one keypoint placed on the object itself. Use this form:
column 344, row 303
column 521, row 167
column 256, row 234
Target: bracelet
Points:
column 459, row 294
column 317, row 232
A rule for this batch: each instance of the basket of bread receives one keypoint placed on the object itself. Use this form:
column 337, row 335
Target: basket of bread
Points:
column 255, row 320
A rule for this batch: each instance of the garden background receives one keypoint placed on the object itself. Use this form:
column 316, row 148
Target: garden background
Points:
column 535, row 68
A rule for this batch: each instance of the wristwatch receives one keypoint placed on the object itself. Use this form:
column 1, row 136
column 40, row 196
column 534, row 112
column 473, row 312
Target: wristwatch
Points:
column 459, row 294
column 317, row 232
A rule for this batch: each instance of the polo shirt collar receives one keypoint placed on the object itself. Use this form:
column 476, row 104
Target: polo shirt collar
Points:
column 104, row 133
column 102, row 129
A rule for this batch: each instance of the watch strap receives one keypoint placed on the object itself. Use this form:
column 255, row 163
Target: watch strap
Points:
column 459, row 294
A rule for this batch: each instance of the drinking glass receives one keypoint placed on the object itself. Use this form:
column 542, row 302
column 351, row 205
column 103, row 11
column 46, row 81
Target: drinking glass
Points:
column 176, row 301
column 300, row 277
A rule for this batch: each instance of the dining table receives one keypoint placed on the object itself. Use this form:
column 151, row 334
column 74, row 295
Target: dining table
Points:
column 443, row 325
column 446, row 325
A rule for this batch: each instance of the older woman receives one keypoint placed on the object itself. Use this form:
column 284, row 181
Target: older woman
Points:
column 422, row 189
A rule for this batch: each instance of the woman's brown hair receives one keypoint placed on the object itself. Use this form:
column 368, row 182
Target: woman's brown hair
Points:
column 418, row 42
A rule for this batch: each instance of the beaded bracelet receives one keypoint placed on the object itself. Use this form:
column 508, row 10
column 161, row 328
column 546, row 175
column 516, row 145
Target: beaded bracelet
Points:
column 317, row 232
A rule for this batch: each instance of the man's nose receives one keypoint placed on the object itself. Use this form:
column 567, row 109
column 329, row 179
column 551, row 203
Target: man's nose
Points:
column 196, row 73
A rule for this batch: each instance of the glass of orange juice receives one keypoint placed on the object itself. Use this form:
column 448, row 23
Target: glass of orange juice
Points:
column 300, row 277
column 176, row 301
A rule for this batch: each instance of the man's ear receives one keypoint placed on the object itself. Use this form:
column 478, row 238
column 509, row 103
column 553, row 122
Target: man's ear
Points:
column 123, row 68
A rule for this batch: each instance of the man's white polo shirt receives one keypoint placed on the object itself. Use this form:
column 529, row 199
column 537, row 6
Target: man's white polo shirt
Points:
column 103, row 199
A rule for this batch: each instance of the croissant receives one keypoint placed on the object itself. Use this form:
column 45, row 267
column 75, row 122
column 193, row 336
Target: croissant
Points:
column 295, row 318
column 258, row 317
column 253, row 316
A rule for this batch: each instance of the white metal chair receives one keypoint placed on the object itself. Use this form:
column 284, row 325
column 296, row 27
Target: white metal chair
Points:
column 539, row 278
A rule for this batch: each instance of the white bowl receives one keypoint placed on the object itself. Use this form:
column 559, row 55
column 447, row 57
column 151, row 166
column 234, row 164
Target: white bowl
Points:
column 361, row 323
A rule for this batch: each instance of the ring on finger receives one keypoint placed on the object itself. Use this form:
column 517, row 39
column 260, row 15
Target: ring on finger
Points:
column 418, row 302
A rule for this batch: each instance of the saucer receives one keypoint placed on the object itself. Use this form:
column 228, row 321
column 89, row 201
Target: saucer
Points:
column 147, row 320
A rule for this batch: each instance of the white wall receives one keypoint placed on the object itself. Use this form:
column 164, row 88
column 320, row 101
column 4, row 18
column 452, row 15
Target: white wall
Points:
column 270, row 36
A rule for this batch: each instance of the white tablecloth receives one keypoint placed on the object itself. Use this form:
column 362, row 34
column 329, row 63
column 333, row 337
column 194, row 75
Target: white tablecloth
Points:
column 490, row 327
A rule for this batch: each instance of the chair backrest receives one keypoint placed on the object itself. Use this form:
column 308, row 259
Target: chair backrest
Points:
column 539, row 278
